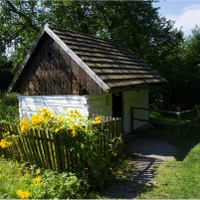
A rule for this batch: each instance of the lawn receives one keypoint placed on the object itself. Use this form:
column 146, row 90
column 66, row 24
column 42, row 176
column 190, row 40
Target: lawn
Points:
column 180, row 178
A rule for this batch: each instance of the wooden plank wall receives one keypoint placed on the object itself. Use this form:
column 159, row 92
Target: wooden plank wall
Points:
column 51, row 71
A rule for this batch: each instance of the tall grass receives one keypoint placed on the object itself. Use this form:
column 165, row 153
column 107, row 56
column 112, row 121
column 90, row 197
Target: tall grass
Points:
column 51, row 185
column 9, row 109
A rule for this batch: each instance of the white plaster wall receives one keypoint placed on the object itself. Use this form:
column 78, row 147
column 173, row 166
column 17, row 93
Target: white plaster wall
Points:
column 138, row 98
column 28, row 104
column 88, row 105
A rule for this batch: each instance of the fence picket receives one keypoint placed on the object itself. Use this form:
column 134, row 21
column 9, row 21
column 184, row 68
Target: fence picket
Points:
column 40, row 148
column 20, row 145
column 62, row 155
column 57, row 149
column 52, row 149
column 46, row 149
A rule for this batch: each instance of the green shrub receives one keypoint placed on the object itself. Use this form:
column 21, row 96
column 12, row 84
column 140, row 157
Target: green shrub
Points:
column 82, row 137
column 9, row 110
column 65, row 185
column 15, row 177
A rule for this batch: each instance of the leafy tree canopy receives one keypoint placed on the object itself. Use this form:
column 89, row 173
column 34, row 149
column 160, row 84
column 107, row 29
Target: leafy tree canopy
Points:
column 133, row 23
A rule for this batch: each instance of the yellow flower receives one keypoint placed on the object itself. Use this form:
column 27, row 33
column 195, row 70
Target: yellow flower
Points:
column 37, row 171
column 37, row 180
column 97, row 120
column 76, row 112
column 26, row 194
column 23, row 195
column 7, row 133
column 57, row 129
column 9, row 144
column 60, row 121
column 73, row 127
column 74, row 133
column 19, row 192
column 71, row 113
column 25, row 125
column 4, row 144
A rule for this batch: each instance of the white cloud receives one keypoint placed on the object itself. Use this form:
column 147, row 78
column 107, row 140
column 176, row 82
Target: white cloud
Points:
column 189, row 17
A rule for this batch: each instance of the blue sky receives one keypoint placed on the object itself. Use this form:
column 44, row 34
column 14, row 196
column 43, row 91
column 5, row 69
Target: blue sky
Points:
column 185, row 13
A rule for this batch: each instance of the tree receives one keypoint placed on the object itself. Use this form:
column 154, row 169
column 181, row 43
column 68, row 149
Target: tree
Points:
column 6, row 73
column 20, row 24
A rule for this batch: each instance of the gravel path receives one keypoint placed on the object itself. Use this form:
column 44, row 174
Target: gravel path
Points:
column 148, row 154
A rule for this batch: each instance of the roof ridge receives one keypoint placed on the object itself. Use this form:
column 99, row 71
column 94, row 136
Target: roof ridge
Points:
column 91, row 36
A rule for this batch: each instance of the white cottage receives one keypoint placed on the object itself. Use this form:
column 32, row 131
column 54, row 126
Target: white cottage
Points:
column 76, row 71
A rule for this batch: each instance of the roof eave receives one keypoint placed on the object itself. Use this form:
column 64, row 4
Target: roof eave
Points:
column 139, row 86
column 14, row 81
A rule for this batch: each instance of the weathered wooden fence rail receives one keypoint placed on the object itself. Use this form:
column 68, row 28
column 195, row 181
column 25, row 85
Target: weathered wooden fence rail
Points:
column 47, row 150
column 177, row 115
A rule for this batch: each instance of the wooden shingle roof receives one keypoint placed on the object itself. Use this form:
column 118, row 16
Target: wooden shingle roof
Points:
column 111, row 65
column 114, row 63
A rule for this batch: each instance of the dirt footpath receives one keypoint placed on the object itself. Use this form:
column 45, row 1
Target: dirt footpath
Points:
column 148, row 154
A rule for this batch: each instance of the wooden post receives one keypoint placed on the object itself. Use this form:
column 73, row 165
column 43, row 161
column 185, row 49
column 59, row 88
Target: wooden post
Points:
column 178, row 116
column 178, row 119
column 132, row 120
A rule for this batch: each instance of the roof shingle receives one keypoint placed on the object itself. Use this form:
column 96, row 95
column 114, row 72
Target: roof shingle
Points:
column 114, row 63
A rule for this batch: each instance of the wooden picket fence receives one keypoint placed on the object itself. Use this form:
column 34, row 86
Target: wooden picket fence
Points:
column 44, row 149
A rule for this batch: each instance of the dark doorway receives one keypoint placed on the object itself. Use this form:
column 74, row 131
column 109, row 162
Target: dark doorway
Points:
column 117, row 104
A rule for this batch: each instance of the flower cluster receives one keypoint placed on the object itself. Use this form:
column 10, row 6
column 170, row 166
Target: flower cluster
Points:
column 37, row 180
column 26, row 194
column 8, row 133
column 25, row 125
column 23, row 195
column 4, row 144
column 71, row 122
column 74, row 128
column 42, row 116
column 37, row 171
column 58, row 129
column 97, row 120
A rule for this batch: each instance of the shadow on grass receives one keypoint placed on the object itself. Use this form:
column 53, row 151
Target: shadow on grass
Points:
column 183, row 138
column 132, row 183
